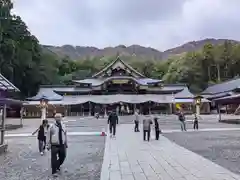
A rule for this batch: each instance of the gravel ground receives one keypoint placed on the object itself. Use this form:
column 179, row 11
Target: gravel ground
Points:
column 221, row 147
column 23, row 161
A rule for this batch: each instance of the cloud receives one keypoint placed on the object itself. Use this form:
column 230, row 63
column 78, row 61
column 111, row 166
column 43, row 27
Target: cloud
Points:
column 160, row 24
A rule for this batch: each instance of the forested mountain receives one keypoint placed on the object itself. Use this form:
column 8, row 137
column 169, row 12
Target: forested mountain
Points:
column 81, row 52
column 28, row 64
column 194, row 46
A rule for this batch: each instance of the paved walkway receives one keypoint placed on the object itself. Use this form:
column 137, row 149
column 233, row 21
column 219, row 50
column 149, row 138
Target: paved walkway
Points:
column 128, row 157
column 101, row 133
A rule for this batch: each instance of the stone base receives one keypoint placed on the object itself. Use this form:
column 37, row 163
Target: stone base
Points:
column 3, row 148
column 230, row 121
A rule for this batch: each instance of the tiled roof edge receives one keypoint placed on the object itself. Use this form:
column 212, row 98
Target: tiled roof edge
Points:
column 56, row 86
column 179, row 84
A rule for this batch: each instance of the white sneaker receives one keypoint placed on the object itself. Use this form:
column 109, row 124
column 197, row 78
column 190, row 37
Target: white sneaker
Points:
column 41, row 153
column 55, row 175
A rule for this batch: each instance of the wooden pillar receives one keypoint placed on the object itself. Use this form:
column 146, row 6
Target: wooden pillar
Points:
column 149, row 108
column 90, row 108
column 3, row 123
column 69, row 110
column 219, row 113
column 105, row 110
column 21, row 116
column 171, row 108
column 80, row 109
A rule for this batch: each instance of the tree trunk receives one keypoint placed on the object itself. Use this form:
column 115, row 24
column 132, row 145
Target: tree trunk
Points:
column 218, row 73
column 209, row 73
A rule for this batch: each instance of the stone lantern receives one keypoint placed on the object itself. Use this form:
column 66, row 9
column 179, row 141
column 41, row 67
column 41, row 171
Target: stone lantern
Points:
column 198, row 100
column 43, row 106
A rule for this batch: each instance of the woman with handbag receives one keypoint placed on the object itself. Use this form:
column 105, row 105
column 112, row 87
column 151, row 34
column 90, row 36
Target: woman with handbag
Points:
column 42, row 133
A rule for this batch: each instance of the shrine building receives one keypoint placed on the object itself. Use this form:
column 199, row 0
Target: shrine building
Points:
column 118, row 86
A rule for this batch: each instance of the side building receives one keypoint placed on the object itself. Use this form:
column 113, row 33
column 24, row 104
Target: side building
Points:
column 117, row 86
column 7, row 91
column 223, row 90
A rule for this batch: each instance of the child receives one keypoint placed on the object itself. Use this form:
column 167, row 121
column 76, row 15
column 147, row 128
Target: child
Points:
column 195, row 123
column 42, row 133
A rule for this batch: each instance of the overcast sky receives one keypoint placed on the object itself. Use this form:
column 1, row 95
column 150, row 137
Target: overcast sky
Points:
column 161, row 24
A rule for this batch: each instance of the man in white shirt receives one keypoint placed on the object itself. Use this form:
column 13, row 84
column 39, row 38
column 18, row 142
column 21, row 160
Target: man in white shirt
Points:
column 57, row 141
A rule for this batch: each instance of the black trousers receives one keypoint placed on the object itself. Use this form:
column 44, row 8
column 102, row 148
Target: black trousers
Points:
column 136, row 127
column 112, row 128
column 157, row 132
column 146, row 133
column 42, row 144
column 195, row 125
column 58, row 155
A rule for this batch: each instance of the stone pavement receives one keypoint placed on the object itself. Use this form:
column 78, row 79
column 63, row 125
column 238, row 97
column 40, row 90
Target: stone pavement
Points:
column 128, row 157
column 23, row 161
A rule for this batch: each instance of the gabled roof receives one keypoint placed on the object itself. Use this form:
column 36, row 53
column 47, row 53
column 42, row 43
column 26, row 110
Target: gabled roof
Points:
column 118, row 60
column 46, row 93
column 100, row 81
column 185, row 93
column 218, row 95
column 226, row 86
column 7, row 85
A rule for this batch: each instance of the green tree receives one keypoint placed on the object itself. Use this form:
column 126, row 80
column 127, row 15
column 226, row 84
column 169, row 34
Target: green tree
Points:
column 21, row 57
column 186, row 70
column 160, row 69
column 207, row 62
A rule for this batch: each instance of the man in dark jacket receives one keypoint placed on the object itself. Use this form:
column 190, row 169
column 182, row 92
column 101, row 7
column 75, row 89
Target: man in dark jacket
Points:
column 157, row 129
column 112, row 121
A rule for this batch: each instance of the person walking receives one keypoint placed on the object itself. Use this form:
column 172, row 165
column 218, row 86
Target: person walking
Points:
column 57, row 142
column 147, row 128
column 42, row 133
column 136, row 122
column 112, row 121
column 181, row 118
column 195, row 122
column 157, row 129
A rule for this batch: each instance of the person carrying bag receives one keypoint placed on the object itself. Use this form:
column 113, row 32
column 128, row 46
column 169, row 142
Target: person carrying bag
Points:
column 57, row 142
